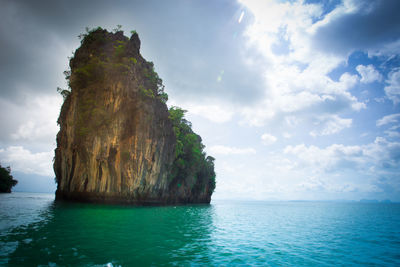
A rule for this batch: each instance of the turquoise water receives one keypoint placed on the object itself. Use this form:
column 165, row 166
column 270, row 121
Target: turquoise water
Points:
column 36, row 231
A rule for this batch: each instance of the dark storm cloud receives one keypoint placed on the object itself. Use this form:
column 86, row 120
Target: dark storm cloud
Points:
column 190, row 42
column 375, row 24
column 32, row 33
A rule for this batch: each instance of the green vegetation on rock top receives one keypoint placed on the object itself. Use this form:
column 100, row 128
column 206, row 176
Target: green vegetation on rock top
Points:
column 106, row 54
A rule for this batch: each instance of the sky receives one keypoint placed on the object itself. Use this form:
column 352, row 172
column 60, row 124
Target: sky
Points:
column 296, row 100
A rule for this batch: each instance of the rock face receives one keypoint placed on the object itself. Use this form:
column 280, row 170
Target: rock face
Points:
column 116, row 141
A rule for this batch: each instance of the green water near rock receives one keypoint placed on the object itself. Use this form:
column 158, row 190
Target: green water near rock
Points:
column 36, row 231
column 77, row 234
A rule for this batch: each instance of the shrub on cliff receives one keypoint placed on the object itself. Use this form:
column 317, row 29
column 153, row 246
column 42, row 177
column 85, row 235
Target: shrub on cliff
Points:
column 190, row 159
column 6, row 180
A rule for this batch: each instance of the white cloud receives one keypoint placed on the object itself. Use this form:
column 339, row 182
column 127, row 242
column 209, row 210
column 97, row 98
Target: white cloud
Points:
column 376, row 157
column 316, row 185
column 331, row 125
column 327, row 158
column 33, row 120
column 393, row 134
column 227, row 150
column 379, row 99
column 368, row 74
column 392, row 89
column 336, row 171
column 213, row 113
column 297, row 77
column 388, row 119
column 268, row 139
column 23, row 160
column 388, row 49
column 313, row 184
column 257, row 115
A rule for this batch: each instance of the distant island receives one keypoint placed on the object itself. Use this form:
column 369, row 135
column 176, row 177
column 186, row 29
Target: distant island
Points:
column 7, row 181
column 118, row 141
column 375, row 201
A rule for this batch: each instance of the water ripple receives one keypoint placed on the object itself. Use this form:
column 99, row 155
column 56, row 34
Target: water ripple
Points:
column 37, row 231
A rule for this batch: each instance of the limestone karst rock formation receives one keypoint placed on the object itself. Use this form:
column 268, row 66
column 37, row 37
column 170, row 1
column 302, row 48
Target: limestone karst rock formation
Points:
column 118, row 143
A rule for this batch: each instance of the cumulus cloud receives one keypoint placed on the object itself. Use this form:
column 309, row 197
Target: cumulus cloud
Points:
column 329, row 172
column 378, row 157
column 40, row 119
column 227, row 150
column 212, row 112
column 334, row 157
column 268, row 139
column 317, row 185
column 23, row 160
column 331, row 125
column 313, row 184
column 32, row 121
column 368, row 74
column 392, row 134
column 388, row 119
column 392, row 88
column 297, row 81
column 304, row 97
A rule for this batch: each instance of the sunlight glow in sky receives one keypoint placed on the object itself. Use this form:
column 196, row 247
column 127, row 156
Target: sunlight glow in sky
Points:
column 294, row 99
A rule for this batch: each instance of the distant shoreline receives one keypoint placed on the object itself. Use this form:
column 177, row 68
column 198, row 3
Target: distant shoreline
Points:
column 364, row 201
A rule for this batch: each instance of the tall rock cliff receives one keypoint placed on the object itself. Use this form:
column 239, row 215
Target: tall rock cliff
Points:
column 118, row 142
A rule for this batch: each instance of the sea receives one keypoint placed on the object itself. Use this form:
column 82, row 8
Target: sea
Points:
column 37, row 231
